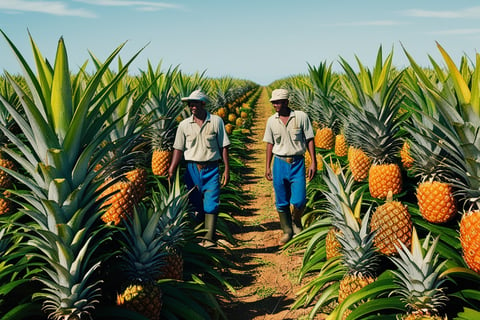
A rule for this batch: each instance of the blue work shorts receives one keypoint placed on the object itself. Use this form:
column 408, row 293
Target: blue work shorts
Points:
column 205, row 198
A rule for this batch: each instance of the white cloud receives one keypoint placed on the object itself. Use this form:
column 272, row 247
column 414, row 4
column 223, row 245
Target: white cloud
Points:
column 57, row 8
column 139, row 5
column 369, row 23
column 473, row 12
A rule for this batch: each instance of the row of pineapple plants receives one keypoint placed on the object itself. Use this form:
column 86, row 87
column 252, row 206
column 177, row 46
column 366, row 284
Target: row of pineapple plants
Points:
column 410, row 182
column 94, row 227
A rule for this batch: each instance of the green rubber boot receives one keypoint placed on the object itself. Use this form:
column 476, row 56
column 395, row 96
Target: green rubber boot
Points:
column 297, row 220
column 211, row 227
column 286, row 225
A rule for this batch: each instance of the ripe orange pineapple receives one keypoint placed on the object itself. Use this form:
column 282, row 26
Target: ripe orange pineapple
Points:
column 470, row 239
column 359, row 163
column 161, row 161
column 340, row 145
column 119, row 202
column 138, row 178
column 405, row 156
column 324, row 138
column 435, row 201
column 384, row 178
column 392, row 224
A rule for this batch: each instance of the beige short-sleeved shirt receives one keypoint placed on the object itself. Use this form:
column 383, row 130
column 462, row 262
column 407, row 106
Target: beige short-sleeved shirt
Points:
column 201, row 143
column 290, row 139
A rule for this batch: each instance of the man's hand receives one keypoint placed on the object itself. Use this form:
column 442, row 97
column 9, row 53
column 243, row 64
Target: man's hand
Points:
column 268, row 174
column 225, row 178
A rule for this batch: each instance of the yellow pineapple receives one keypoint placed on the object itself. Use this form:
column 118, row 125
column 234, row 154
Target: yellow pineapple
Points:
column 392, row 225
column 359, row 163
column 341, row 147
column 119, row 202
column 384, row 178
column 138, row 179
column 436, row 202
column 144, row 298
column 324, row 138
column 407, row 160
column 470, row 239
column 332, row 246
column 161, row 161
column 308, row 161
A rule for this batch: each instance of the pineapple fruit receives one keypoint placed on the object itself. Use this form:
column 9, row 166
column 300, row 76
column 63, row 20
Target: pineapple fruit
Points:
column 470, row 239
column 359, row 163
column 392, row 225
column 436, row 202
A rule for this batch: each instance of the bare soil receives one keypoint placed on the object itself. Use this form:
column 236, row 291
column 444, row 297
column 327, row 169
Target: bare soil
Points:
column 267, row 283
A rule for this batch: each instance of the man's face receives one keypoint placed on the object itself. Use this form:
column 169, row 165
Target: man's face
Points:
column 195, row 106
column 279, row 104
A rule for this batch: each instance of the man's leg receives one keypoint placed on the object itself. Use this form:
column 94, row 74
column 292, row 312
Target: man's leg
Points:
column 282, row 198
column 299, row 198
column 211, row 202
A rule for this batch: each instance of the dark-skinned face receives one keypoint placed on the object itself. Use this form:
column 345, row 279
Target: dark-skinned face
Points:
column 281, row 106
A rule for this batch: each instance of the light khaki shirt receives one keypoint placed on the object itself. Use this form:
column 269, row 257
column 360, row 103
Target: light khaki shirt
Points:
column 201, row 143
column 290, row 139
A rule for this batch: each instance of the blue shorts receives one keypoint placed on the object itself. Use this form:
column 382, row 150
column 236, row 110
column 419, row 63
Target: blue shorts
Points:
column 205, row 198
column 289, row 183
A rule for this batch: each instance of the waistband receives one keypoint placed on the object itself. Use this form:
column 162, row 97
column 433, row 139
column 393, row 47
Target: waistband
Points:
column 205, row 164
column 298, row 156
column 289, row 159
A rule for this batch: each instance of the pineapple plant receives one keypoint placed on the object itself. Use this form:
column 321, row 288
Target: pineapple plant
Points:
column 123, row 173
column 392, row 225
column 317, row 97
column 358, row 252
column 163, row 108
column 372, row 100
column 59, row 118
column 418, row 276
column 142, row 256
column 426, row 156
column 459, row 110
column 173, row 226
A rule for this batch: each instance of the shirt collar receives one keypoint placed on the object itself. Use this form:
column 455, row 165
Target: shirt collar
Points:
column 292, row 114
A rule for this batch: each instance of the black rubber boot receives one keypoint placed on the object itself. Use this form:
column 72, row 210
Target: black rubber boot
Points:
column 211, row 227
column 297, row 220
column 286, row 225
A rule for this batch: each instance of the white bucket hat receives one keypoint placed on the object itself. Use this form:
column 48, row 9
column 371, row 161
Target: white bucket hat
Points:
column 196, row 95
column 279, row 94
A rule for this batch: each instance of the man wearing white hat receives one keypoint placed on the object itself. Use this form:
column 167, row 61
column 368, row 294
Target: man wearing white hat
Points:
column 288, row 135
column 202, row 141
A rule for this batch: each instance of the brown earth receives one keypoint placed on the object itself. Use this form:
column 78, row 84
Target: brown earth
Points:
column 267, row 283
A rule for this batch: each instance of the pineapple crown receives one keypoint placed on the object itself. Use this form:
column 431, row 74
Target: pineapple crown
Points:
column 356, row 239
column 418, row 275
column 143, row 250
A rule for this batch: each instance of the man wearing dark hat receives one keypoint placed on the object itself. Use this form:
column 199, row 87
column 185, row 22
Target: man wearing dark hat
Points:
column 288, row 135
column 202, row 140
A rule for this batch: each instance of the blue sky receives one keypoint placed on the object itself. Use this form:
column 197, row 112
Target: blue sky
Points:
column 258, row 40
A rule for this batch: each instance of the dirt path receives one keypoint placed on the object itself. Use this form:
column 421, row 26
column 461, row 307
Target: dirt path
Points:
column 266, row 286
